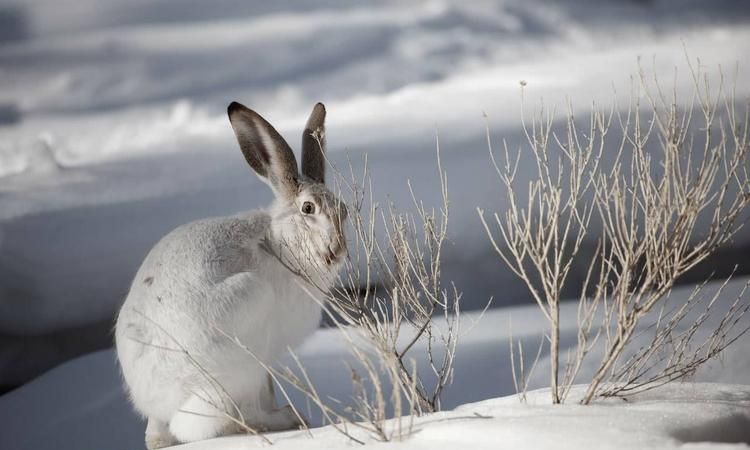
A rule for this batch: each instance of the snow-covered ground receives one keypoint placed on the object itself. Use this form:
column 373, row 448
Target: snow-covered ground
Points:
column 81, row 404
column 113, row 131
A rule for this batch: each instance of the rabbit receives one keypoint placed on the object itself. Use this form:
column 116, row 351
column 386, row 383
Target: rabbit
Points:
column 211, row 287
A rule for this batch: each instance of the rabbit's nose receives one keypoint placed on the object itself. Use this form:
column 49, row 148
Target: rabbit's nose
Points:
column 330, row 257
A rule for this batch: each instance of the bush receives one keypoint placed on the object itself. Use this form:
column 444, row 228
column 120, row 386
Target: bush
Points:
column 659, row 194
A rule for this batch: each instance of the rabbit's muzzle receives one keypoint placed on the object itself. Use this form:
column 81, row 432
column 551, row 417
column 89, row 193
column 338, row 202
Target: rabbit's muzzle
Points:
column 335, row 251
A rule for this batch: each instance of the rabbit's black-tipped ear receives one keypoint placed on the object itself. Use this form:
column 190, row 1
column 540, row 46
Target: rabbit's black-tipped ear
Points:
column 265, row 150
column 314, row 145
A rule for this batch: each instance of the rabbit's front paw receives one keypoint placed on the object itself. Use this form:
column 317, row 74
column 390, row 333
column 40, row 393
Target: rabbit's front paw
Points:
column 158, row 435
column 284, row 419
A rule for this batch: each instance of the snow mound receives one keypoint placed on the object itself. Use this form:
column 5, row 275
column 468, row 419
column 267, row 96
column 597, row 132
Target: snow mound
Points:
column 709, row 414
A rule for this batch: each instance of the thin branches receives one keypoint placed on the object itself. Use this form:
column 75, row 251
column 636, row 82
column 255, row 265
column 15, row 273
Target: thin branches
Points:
column 401, row 252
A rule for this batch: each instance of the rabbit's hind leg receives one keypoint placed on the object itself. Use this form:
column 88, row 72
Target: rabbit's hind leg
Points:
column 197, row 419
column 158, row 435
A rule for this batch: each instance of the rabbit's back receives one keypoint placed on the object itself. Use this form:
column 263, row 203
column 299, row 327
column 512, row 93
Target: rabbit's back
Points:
column 205, row 251
column 181, row 282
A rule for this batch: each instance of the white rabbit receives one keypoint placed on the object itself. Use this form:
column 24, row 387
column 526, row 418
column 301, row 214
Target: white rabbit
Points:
column 211, row 281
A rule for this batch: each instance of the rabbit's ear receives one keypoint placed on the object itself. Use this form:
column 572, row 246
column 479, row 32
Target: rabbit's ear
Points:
column 314, row 145
column 265, row 150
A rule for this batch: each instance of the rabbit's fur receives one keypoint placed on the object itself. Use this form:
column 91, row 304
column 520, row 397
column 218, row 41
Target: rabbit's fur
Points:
column 211, row 287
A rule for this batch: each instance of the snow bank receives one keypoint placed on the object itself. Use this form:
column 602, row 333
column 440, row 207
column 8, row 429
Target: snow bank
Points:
column 112, row 81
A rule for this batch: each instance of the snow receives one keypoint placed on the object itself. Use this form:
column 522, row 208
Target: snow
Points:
column 113, row 131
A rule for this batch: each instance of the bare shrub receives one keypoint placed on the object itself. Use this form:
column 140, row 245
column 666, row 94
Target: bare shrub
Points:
column 668, row 198
column 542, row 235
column 389, row 297
column 411, row 302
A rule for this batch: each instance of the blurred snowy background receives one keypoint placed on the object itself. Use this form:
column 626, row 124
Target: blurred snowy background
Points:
column 113, row 127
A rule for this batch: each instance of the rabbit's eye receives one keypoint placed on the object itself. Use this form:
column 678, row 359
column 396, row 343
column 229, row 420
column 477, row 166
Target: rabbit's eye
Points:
column 308, row 208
